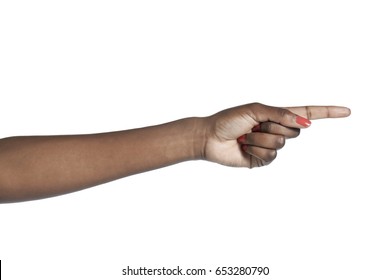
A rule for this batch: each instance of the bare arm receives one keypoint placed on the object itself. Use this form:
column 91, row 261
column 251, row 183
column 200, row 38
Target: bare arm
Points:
column 33, row 167
column 40, row 166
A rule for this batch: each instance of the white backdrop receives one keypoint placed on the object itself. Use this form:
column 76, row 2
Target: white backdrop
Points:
column 320, row 211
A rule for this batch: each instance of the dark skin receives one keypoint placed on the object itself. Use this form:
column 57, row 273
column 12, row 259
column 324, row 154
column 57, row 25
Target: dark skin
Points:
column 34, row 167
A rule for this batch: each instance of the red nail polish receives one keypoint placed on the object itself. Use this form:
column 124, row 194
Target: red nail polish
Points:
column 244, row 147
column 241, row 139
column 302, row 121
column 256, row 128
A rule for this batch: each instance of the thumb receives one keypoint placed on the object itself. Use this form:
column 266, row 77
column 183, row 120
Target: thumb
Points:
column 264, row 113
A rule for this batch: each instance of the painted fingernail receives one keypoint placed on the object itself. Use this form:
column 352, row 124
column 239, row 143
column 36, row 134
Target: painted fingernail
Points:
column 302, row 121
column 256, row 128
column 244, row 148
column 241, row 139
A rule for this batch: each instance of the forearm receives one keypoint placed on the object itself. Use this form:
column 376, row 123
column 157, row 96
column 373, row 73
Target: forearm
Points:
column 44, row 166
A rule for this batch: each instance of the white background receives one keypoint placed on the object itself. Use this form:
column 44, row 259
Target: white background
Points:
column 320, row 211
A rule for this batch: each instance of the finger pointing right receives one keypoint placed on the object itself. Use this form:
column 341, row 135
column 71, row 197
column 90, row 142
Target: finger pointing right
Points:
column 321, row 112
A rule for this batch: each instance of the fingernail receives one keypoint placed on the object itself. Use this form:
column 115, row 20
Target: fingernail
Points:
column 302, row 121
column 244, row 147
column 256, row 128
column 241, row 139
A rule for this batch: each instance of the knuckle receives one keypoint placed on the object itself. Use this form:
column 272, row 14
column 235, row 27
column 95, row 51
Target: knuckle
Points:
column 257, row 162
column 256, row 104
column 266, row 127
column 281, row 142
column 270, row 155
column 284, row 114
column 308, row 112
column 294, row 133
column 254, row 107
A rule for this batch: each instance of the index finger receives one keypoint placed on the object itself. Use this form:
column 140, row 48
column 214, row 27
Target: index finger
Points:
column 320, row 112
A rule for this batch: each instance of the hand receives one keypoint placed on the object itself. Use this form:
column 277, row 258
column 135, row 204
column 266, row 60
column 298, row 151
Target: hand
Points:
column 250, row 135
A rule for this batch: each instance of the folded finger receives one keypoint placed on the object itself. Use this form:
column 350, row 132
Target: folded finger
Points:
column 263, row 140
column 275, row 128
column 262, row 156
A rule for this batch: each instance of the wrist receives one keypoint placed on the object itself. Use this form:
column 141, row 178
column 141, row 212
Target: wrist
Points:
column 199, row 132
